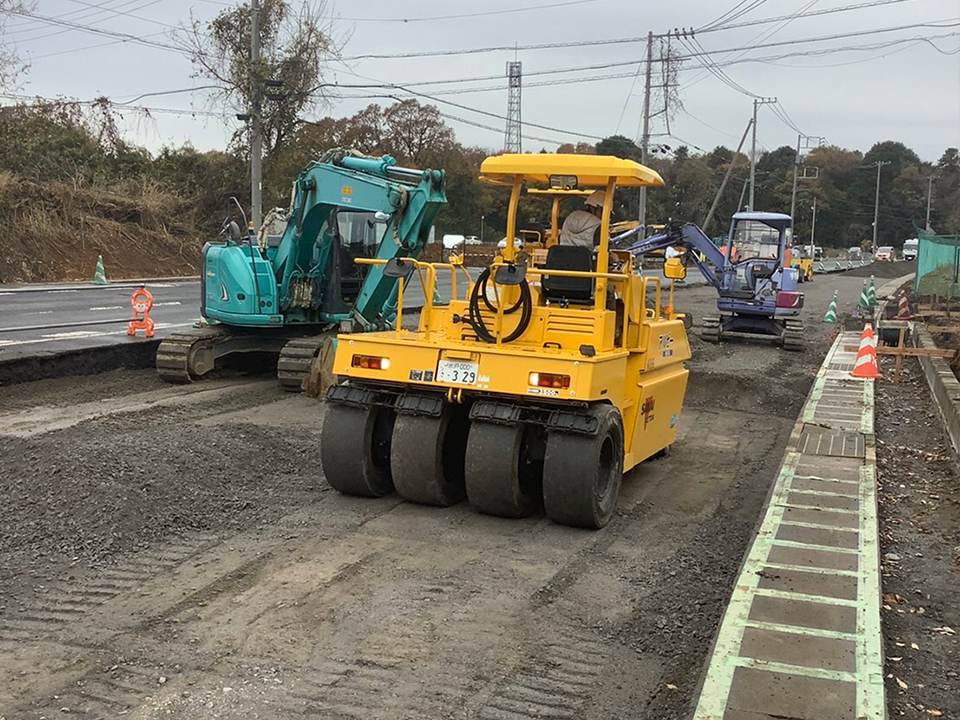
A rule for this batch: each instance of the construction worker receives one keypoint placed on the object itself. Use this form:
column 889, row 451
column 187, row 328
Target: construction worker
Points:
column 582, row 227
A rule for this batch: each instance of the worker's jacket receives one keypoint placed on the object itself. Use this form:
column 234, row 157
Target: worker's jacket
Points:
column 580, row 228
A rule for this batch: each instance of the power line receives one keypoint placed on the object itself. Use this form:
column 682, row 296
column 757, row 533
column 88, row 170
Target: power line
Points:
column 89, row 16
column 731, row 15
column 98, row 31
column 794, row 16
column 119, row 106
column 467, row 15
column 130, row 14
column 945, row 23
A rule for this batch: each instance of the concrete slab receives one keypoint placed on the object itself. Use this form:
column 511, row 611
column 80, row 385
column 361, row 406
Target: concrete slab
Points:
column 796, row 648
column 786, row 695
column 804, row 614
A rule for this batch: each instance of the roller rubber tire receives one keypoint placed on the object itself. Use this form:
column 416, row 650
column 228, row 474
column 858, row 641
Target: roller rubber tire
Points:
column 493, row 475
column 355, row 449
column 582, row 474
column 427, row 458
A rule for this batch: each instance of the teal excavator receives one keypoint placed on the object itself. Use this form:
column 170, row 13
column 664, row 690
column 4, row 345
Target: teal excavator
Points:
column 283, row 295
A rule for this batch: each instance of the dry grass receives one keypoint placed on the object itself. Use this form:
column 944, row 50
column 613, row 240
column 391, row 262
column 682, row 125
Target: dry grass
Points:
column 55, row 231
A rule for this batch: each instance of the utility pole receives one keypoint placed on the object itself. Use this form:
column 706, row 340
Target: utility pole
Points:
column 645, row 138
column 726, row 177
column 743, row 191
column 876, row 204
column 929, row 195
column 796, row 171
column 813, row 228
column 753, row 146
column 256, row 138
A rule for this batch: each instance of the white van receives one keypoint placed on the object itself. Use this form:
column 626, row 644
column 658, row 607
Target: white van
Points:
column 452, row 241
column 911, row 248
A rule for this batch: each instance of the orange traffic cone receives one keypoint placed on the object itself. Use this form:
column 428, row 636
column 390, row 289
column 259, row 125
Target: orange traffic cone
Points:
column 903, row 308
column 865, row 367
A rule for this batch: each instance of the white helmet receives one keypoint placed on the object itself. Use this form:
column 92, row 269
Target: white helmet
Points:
column 595, row 199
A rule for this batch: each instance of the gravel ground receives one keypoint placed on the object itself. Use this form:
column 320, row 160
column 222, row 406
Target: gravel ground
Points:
column 175, row 552
column 920, row 541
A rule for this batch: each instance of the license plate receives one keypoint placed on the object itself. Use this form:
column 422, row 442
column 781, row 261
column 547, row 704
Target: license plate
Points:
column 457, row 372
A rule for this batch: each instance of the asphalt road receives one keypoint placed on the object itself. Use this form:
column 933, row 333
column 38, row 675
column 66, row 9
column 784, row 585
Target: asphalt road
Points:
column 48, row 319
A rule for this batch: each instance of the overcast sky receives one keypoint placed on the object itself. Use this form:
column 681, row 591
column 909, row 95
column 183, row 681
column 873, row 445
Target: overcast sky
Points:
column 908, row 91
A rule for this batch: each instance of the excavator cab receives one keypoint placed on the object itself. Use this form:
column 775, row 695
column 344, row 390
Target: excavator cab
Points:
column 534, row 386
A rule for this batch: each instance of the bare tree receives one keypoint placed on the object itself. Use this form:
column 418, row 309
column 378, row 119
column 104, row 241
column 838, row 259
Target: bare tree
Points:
column 12, row 66
column 296, row 44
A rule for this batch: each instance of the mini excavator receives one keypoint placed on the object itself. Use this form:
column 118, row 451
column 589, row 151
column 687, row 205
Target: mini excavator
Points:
column 282, row 295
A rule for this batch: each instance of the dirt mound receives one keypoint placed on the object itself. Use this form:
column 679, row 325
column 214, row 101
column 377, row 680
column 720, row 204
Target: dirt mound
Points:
column 884, row 269
column 55, row 231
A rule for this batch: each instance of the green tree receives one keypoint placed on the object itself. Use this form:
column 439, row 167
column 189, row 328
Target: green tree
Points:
column 296, row 42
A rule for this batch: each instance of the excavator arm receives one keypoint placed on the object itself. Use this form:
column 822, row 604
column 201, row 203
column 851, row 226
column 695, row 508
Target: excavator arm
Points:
column 688, row 236
column 308, row 264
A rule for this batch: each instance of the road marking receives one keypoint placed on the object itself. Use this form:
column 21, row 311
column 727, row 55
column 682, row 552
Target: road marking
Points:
column 825, row 479
column 812, row 569
column 814, row 546
column 108, row 307
column 840, row 511
column 806, row 597
column 798, row 630
column 90, row 334
column 39, row 312
column 785, row 669
column 815, row 526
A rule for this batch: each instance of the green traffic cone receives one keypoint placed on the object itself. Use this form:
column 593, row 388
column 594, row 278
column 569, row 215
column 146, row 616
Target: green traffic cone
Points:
column 831, row 316
column 864, row 297
column 99, row 277
column 436, row 294
column 872, row 293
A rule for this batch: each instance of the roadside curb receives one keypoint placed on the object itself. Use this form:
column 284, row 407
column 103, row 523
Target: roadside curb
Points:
column 801, row 634
column 122, row 284
column 86, row 361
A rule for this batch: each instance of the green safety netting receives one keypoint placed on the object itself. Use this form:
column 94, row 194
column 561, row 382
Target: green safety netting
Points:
column 938, row 264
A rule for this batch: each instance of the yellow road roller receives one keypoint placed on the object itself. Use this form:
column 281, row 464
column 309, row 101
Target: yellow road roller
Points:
column 535, row 386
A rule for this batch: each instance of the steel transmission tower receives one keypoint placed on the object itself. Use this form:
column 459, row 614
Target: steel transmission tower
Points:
column 511, row 137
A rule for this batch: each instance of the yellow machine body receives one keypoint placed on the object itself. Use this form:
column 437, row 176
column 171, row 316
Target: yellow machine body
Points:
column 631, row 356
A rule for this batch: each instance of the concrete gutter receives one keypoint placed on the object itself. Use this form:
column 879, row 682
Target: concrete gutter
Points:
column 943, row 386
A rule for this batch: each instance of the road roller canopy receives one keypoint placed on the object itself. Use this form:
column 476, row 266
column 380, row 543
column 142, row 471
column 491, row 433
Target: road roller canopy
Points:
column 567, row 172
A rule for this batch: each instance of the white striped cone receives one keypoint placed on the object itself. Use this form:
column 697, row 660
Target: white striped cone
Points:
column 903, row 308
column 872, row 293
column 864, row 301
column 831, row 316
column 99, row 277
column 865, row 366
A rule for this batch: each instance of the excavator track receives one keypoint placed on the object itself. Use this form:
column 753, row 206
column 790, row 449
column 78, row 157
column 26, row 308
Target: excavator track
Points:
column 711, row 328
column 185, row 356
column 296, row 358
column 793, row 335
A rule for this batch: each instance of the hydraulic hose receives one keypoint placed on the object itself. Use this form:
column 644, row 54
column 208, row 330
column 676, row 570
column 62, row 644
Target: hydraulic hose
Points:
column 474, row 317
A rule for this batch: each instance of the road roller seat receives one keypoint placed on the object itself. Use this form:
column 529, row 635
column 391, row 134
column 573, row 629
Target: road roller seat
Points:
column 568, row 289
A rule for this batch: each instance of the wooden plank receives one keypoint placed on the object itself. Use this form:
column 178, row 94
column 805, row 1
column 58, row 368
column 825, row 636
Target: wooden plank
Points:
column 909, row 351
